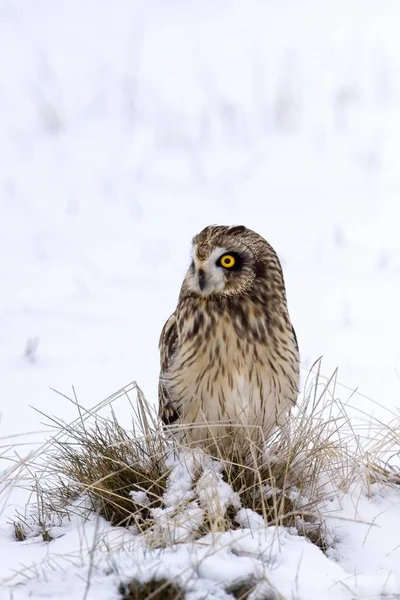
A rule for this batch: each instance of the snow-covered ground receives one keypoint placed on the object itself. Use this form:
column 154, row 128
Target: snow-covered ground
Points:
column 127, row 127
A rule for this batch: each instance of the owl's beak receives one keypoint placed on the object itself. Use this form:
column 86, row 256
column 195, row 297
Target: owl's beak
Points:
column 202, row 279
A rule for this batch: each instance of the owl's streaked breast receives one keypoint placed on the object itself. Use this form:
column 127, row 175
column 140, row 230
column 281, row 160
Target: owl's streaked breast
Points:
column 222, row 374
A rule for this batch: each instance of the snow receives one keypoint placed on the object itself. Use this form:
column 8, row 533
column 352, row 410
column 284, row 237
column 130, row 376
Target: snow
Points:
column 123, row 132
column 278, row 557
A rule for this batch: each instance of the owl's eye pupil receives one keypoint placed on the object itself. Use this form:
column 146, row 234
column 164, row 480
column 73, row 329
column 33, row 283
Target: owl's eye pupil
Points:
column 227, row 261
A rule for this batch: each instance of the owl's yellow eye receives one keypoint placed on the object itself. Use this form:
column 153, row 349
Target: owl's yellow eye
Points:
column 227, row 261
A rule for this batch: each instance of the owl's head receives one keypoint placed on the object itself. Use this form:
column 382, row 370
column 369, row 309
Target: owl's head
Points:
column 225, row 261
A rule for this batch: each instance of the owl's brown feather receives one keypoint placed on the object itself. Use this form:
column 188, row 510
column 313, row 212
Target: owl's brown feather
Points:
column 167, row 345
column 229, row 354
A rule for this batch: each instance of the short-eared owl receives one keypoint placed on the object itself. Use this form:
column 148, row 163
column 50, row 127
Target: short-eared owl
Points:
column 229, row 354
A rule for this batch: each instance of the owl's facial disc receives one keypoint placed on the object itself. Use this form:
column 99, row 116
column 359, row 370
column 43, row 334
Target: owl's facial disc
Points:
column 214, row 274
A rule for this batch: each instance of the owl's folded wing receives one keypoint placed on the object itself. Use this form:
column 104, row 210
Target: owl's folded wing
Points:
column 168, row 345
column 296, row 343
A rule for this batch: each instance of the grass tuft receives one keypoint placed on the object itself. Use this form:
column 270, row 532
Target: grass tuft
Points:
column 171, row 493
column 155, row 589
column 19, row 531
column 108, row 465
column 122, row 475
column 242, row 590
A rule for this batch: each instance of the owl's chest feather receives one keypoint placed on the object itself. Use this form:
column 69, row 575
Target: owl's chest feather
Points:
column 225, row 376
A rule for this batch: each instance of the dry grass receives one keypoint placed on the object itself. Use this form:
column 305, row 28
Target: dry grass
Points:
column 155, row 589
column 107, row 464
column 319, row 453
column 241, row 591
column 97, row 458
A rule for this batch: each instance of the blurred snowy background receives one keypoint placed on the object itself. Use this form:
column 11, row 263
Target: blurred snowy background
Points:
column 126, row 127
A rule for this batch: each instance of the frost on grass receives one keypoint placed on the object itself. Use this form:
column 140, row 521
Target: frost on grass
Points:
column 193, row 516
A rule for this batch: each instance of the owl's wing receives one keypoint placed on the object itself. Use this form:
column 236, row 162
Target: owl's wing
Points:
column 295, row 339
column 167, row 345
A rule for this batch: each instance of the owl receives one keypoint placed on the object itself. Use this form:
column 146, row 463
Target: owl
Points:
column 229, row 353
